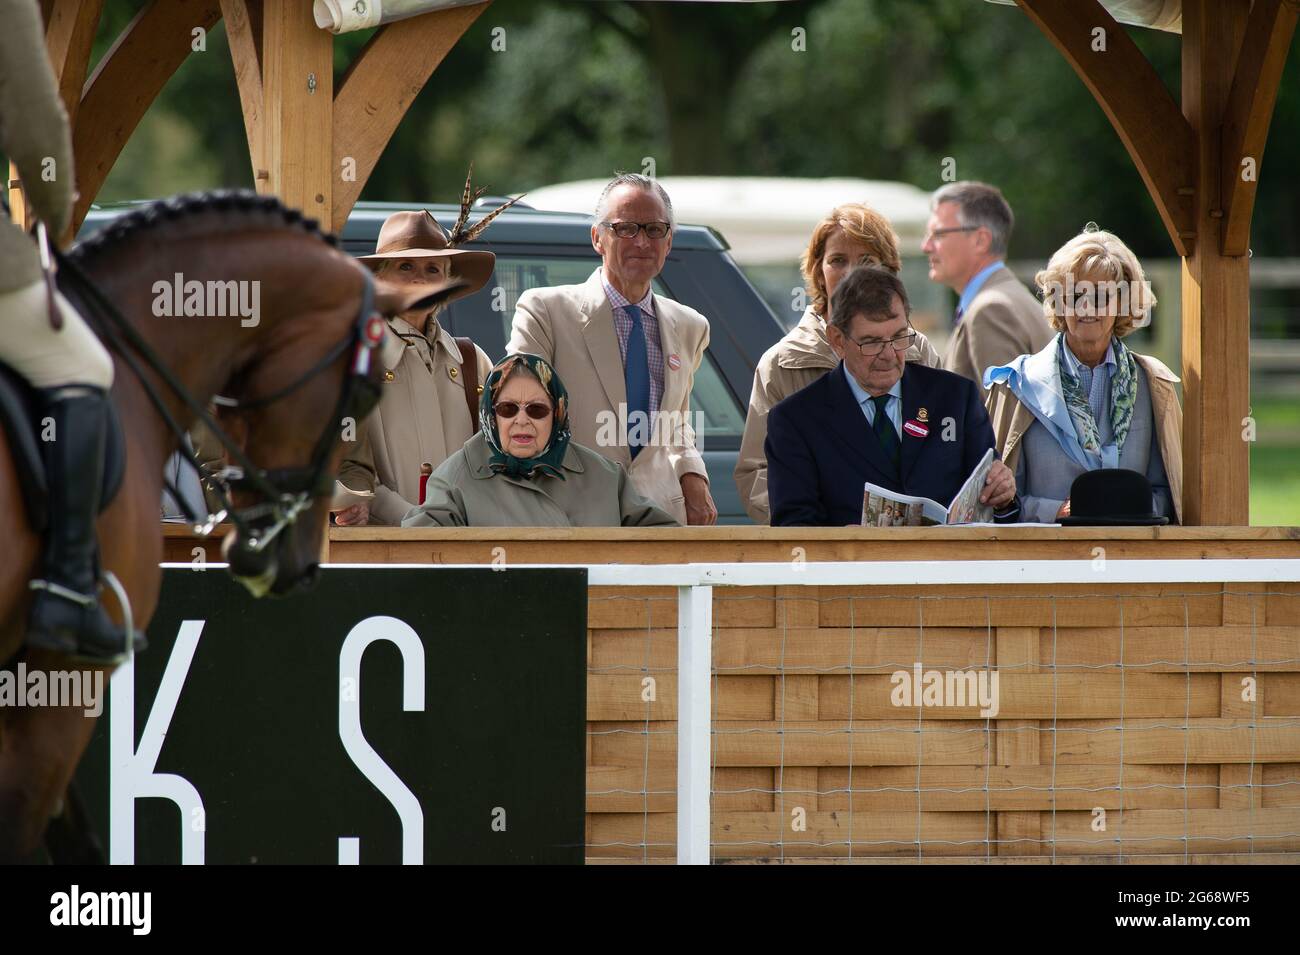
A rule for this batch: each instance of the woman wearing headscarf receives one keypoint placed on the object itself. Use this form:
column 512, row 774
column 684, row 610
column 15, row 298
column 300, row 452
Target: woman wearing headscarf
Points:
column 851, row 235
column 522, row 470
column 1086, row 401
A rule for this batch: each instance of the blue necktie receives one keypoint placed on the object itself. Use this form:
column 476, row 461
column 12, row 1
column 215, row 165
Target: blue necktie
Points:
column 636, row 375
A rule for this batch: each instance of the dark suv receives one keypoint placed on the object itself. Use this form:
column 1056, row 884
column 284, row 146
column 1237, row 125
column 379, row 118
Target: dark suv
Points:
column 535, row 248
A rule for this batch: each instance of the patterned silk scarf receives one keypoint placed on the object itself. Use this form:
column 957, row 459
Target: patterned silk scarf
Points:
column 551, row 458
column 1123, row 395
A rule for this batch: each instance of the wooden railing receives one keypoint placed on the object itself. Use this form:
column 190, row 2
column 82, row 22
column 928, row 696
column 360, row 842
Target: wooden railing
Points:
column 1134, row 720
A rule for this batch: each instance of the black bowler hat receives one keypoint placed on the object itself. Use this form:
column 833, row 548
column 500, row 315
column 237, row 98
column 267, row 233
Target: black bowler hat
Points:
column 1111, row 496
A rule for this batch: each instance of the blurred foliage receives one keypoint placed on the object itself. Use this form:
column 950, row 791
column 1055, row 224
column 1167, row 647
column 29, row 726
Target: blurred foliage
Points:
column 886, row 89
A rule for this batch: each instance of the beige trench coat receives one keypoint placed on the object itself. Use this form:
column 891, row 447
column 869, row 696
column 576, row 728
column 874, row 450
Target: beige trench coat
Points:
column 421, row 418
column 572, row 327
column 595, row 492
column 791, row 365
column 1011, row 419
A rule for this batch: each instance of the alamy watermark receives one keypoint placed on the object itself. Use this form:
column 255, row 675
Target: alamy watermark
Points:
column 21, row 687
column 948, row 688
column 176, row 298
column 133, row 910
column 663, row 429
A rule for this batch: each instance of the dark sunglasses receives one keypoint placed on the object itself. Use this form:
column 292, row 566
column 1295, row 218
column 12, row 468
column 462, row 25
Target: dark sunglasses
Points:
column 536, row 410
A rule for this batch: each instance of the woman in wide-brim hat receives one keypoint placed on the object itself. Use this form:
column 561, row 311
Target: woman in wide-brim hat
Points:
column 425, row 413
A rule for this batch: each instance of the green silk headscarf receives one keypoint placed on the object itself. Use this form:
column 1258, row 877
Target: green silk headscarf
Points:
column 550, row 459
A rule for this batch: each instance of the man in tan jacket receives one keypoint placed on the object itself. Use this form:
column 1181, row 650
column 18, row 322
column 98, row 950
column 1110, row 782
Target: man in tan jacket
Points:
column 997, row 317
column 424, row 413
column 628, row 356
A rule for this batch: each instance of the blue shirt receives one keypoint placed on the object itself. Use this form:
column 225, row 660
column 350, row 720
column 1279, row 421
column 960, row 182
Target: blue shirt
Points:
column 649, row 326
column 975, row 284
column 894, row 406
column 1095, row 383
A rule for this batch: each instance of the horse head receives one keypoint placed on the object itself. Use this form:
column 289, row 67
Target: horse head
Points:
column 303, row 449
column 291, row 367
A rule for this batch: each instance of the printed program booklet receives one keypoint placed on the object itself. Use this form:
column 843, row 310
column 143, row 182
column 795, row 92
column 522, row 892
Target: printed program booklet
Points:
column 882, row 507
column 345, row 497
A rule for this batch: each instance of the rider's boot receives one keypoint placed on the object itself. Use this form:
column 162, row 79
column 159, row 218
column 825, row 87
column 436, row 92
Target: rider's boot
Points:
column 66, row 615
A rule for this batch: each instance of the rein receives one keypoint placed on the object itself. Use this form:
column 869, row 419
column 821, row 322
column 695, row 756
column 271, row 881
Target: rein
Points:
column 285, row 493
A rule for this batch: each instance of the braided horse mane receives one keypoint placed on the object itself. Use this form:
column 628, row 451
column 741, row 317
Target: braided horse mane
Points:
column 229, row 208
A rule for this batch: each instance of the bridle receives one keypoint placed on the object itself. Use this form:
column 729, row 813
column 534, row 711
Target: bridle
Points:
column 284, row 493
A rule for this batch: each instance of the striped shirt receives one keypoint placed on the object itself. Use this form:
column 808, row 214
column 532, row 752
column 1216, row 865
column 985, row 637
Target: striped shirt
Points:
column 650, row 327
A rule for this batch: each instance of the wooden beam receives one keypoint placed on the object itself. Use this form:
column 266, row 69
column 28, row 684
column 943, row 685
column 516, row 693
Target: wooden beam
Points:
column 1263, row 56
column 244, row 31
column 298, row 101
column 125, row 83
column 69, row 35
column 379, row 87
column 1216, row 287
column 1138, row 104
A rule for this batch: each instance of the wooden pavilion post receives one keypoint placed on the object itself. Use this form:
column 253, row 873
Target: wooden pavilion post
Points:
column 1201, row 163
column 1216, row 286
column 311, row 144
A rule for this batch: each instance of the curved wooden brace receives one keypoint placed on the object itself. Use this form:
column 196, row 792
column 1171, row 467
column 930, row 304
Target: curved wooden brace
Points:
column 244, row 31
column 69, row 34
column 1246, row 120
column 125, row 83
column 379, row 87
column 1139, row 106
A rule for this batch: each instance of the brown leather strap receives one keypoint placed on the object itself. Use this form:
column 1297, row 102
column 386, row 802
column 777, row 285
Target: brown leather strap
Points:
column 469, row 368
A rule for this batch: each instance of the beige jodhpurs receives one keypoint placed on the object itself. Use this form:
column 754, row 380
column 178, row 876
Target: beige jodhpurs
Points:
column 45, row 357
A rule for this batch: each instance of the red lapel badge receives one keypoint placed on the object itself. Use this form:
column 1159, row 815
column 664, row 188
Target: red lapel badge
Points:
column 915, row 429
column 674, row 362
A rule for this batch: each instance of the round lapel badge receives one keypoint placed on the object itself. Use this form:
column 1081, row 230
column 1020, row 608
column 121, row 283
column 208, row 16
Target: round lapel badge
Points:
column 674, row 362
column 374, row 330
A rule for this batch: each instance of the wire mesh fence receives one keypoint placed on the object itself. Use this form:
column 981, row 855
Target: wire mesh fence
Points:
column 1049, row 722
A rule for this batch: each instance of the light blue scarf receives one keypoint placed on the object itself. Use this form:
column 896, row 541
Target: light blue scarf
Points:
column 1036, row 381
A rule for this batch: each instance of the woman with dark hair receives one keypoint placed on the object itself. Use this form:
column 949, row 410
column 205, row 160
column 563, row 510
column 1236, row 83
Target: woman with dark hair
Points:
column 522, row 470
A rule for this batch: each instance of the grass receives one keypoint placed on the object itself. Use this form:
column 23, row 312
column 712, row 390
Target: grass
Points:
column 1275, row 485
column 1275, row 462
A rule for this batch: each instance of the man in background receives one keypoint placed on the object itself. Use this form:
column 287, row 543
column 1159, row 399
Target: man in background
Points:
column 997, row 318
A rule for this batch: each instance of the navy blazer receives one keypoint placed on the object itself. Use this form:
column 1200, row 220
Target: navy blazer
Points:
column 821, row 450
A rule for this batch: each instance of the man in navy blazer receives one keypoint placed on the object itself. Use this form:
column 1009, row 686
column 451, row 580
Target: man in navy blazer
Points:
column 906, row 427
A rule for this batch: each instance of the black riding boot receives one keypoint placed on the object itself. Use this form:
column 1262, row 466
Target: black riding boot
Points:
column 66, row 615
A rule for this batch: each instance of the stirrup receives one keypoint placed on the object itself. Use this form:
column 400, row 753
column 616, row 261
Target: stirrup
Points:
column 76, row 597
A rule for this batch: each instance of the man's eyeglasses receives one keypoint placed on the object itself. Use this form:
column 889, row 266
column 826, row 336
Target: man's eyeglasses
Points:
column 628, row 230
column 870, row 349
column 537, row 410
column 940, row 233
